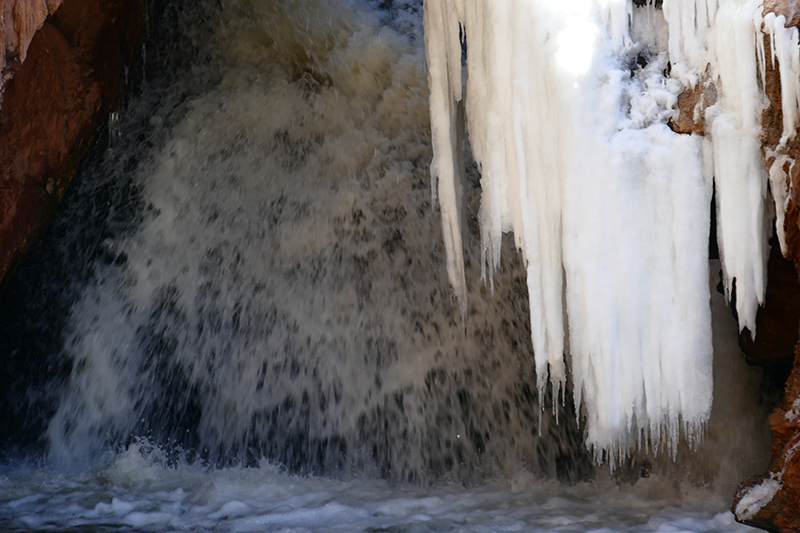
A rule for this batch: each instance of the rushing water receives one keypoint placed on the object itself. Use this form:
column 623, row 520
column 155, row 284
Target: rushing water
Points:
column 241, row 320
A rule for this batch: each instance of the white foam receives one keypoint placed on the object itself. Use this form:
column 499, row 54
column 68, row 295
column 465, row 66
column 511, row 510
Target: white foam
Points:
column 285, row 293
column 190, row 497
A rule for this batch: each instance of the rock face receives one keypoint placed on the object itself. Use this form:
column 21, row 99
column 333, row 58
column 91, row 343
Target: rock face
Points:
column 777, row 321
column 771, row 501
column 60, row 84
column 19, row 21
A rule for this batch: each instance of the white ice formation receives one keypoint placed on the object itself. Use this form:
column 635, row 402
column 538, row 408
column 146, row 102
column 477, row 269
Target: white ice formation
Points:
column 567, row 105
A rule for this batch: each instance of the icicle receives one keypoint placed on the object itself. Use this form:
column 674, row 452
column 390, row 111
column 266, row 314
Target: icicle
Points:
column 738, row 168
column 778, row 178
column 445, row 83
column 519, row 161
column 576, row 160
column 785, row 45
column 690, row 22
column 638, row 271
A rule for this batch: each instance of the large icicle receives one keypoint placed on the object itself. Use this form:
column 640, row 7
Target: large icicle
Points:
column 576, row 159
column 521, row 160
column 636, row 215
column 636, row 253
column 739, row 173
column 443, row 49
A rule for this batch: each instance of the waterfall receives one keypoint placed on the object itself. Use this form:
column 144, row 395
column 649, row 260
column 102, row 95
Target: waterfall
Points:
column 243, row 313
column 272, row 284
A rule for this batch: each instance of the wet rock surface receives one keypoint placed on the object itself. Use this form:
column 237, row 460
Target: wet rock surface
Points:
column 61, row 83
column 19, row 22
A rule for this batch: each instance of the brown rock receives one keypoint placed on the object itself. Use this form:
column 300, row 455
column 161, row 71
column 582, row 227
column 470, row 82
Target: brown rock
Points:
column 777, row 321
column 72, row 77
column 788, row 8
column 781, row 512
column 692, row 104
column 19, row 21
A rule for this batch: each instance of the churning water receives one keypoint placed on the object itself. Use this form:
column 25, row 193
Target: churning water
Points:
column 241, row 320
column 137, row 491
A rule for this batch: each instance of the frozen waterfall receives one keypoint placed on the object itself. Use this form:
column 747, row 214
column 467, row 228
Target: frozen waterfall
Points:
column 567, row 107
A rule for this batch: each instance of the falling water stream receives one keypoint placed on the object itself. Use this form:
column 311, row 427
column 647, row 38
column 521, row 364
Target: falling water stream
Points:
column 241, row 319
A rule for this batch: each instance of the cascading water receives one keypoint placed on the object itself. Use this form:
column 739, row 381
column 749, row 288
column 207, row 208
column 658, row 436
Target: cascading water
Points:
column 248, row 282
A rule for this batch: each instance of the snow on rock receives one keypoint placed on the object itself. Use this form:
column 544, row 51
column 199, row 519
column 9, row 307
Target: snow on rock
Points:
column 756, row 497
column 771, row 501
column 785, row 50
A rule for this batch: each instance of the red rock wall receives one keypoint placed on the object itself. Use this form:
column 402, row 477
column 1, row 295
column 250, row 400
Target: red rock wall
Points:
column 72, row 76
column 19, row 21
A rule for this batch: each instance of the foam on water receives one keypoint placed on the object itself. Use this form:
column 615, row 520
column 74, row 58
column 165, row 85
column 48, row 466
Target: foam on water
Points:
column 138, row 491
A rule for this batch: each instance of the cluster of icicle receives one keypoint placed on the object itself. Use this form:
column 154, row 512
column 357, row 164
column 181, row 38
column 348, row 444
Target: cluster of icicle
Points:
column 608, row 206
